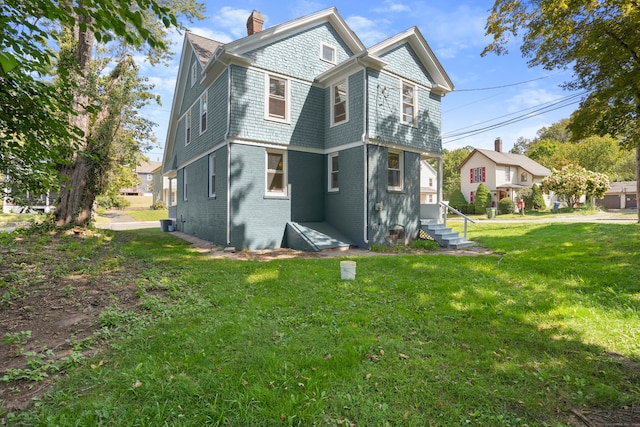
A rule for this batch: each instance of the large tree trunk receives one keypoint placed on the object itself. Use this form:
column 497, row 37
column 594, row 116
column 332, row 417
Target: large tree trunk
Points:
column 76, row 197
column 638, row 182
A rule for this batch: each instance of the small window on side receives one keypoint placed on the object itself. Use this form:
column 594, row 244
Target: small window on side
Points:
column 334, row 182
column 394, row 168
column 212, row 175
column 328, row 53
column 276, row 176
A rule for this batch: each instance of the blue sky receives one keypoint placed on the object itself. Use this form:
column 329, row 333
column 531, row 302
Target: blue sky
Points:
column 489, row 91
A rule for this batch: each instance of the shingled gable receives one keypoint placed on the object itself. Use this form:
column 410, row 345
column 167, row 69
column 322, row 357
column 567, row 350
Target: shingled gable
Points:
column 370, row 57
column 235, row 50
column 442, row 83
column 510, row 159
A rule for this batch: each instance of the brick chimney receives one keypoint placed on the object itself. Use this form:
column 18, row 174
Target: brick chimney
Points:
column 498, row 144
column 254, row 23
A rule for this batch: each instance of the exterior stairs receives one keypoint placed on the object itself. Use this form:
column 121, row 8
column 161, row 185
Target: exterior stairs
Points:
column 444, row 236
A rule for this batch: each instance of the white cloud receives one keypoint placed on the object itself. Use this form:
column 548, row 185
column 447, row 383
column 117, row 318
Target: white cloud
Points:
column 391, row 6
column 533, row 97
column 367, row 30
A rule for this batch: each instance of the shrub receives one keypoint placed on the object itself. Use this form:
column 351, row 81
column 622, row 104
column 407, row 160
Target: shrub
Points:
column 536, row 198
column 112, row 201
column 457, row 199
column 506, row 206
column 482, row 199
column 158, row 205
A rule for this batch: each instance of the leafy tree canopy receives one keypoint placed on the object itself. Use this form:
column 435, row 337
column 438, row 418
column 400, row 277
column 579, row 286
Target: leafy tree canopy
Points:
column 599, row 40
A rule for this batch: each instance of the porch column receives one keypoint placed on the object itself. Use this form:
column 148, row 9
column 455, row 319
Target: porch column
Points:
column 439, row 186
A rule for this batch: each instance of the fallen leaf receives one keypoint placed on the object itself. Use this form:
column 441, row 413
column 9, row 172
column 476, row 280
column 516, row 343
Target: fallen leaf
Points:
column 403, row 356
column 368, row 376
column 328, row 356
column 136, row 384
column 382, row 352
column 102, row 362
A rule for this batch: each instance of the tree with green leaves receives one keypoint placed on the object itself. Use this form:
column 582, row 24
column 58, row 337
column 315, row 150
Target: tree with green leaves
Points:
column 89, row 112
column 451, row 161
column 599, row 40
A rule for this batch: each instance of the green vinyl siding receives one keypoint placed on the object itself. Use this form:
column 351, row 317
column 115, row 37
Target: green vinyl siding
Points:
column 350, row 131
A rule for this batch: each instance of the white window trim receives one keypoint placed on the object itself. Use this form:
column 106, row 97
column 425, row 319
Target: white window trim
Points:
column 212, row 173
column 194, row 73
column 184, row 184
column 333, row 102
column 287, row 99
column 285, row 178
column 188, row 134
column 330, row 172
column 415, row 102
column 401, row 170
column 202, row 97
column 322, row 46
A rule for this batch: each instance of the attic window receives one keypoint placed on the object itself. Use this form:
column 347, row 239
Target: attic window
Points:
column 328, row 53
column 194, row 73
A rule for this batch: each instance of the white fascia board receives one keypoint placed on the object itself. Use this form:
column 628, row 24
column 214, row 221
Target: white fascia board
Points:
column 281, row 31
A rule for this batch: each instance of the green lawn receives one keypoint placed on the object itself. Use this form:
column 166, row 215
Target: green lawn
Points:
column 548, row 323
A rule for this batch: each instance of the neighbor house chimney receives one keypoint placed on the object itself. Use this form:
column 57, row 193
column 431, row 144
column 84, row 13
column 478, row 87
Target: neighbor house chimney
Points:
column 254, row 23
column 498, row 144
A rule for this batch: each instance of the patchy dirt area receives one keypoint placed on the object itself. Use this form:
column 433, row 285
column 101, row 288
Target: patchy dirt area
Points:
column 52, row 290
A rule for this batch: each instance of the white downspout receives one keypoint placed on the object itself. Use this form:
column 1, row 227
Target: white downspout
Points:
column 365, row 163
column 226, row 138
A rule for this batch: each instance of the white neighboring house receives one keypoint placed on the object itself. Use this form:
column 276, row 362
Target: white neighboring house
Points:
column 35, row 203
column 428, row 183
column 504, row 174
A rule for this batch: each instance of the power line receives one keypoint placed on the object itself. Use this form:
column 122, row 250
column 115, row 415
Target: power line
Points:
column 535, row 108
column 507, row 85
column 569, row 100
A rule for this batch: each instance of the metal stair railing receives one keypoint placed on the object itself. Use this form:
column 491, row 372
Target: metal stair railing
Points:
column 454, row 210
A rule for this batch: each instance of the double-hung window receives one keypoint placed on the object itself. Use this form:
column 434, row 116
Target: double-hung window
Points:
column 408, row 103
column 276, row 173
column 212, row 175
column 394, row 168
column 203, row 112
column 477, row 174
column 340, row 106
column 187, row 127
column 184, row 184
column 277, row 96
column 334, row 183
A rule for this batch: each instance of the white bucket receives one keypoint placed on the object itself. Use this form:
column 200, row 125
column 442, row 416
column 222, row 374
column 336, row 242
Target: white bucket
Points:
column 171, row 228
column 348, row 270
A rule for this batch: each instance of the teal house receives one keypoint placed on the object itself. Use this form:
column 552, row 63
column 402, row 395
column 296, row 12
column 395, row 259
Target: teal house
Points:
column 299, row 136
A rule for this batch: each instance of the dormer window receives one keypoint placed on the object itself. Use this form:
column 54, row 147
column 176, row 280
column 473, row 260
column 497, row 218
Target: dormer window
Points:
column 328, row 53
